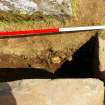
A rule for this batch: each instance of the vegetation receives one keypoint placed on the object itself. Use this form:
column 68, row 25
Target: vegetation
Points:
column 14, row 21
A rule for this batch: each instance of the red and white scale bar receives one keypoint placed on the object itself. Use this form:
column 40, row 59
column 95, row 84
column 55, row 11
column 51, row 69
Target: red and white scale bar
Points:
column 52, row 30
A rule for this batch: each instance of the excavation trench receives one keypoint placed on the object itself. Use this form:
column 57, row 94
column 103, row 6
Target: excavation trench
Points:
column 81, row 66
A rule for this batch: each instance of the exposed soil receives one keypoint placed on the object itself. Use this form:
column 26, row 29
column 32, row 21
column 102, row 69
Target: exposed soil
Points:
column 81, row 66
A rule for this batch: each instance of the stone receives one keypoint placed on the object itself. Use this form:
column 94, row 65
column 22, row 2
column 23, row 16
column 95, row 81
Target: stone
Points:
column 52, row 92
column 100, row 57
column 48, row 7
column 56, row 60
column 102, row 54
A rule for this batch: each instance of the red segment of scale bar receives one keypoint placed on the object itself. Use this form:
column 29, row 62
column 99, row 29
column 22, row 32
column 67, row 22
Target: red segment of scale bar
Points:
column 29, row 32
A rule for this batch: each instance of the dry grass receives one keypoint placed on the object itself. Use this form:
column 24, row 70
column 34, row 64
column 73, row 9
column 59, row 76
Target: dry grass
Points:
column 16, row 21
column 10, row 21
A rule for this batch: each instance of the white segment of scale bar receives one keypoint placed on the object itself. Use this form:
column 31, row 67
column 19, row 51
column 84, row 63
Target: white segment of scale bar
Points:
column 85, row 28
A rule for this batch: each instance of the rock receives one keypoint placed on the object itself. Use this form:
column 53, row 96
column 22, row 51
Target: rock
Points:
column 52, row 92
column 56, row 60
column 100, row 58
column 102, row 54
column 55, row 7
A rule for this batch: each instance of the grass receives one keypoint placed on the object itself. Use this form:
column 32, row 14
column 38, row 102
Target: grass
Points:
column 24, row 25
column 11, row 21
column 16, row 21
column 73, row 4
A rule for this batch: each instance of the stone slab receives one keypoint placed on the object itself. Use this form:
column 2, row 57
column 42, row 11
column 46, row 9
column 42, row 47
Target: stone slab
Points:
column 99, row 60
column 52, row 92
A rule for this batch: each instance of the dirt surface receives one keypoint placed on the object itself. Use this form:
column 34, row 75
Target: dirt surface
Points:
column 50, row 51
column 39, row 52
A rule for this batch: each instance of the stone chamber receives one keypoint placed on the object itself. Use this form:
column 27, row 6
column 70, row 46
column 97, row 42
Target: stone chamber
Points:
column 52, row 69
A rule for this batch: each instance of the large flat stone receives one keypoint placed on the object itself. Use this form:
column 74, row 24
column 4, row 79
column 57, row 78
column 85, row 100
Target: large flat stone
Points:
column 52, row 92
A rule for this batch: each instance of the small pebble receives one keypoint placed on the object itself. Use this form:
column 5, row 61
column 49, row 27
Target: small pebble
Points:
column 56, row 60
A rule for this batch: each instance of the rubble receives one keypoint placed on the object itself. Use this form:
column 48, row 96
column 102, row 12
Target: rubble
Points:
column 55, row 7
